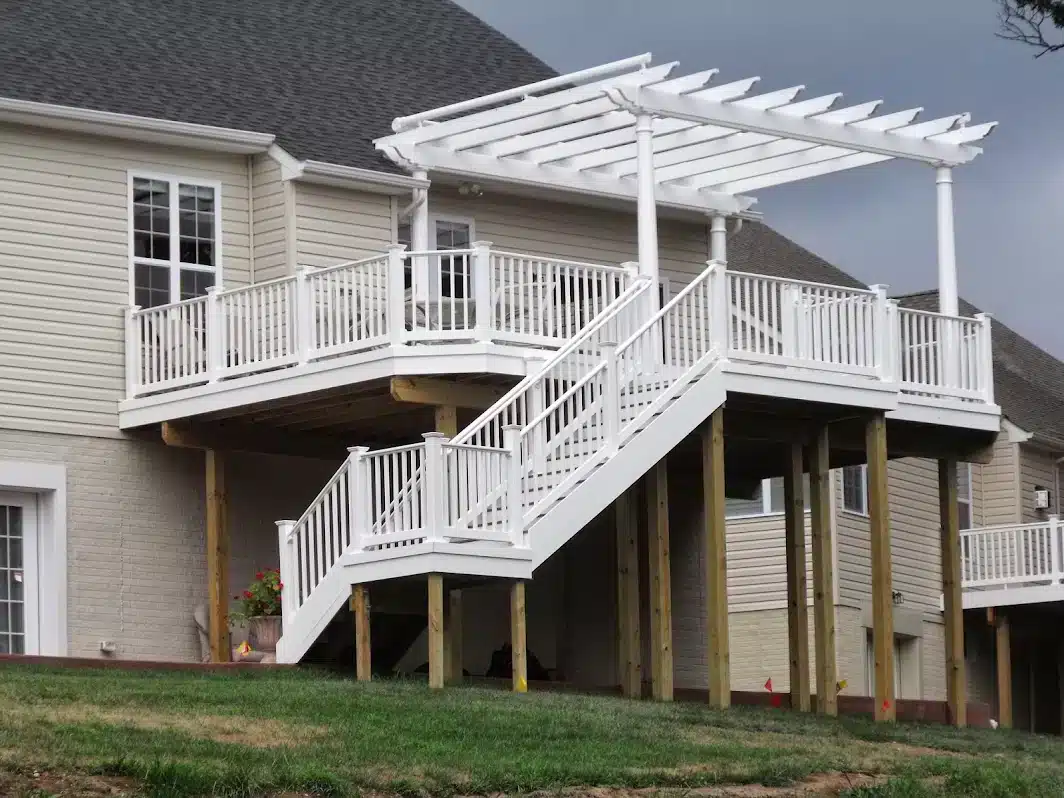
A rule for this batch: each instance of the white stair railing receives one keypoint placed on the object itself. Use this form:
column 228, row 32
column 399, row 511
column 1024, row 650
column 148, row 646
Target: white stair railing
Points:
column 1012, row 555
column 602, row 410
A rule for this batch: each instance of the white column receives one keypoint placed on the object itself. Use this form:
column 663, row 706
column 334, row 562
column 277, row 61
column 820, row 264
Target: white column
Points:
column 947, row 253
column 718, row 239
column 647, row 209
column 419, row 239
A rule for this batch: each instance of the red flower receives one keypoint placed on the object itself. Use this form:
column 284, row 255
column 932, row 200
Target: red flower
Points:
column 280, row 585
column 247, row 594
column 259, row 575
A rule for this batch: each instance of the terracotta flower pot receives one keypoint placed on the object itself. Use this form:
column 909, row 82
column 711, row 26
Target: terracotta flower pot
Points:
column 264, row 631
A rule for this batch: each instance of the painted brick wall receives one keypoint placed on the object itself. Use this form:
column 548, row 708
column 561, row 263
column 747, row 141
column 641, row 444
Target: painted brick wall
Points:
column 135, row 534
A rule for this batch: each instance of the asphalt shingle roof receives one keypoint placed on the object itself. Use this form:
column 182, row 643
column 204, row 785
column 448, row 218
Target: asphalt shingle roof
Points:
column 325, row 76
column 759, row 249
column 1028, row 381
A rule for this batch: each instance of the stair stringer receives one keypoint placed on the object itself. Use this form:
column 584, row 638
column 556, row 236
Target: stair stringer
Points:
column 328, row 597
column 565, row 519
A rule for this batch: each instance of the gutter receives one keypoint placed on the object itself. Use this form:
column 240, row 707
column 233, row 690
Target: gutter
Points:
column 331, row 174
column 137, row 128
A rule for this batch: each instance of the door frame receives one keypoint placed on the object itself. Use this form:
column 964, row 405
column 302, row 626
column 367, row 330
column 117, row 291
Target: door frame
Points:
column 48, row 483
column 31, row 569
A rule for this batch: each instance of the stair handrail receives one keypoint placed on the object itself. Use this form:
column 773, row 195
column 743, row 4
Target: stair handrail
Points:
column 640, row 285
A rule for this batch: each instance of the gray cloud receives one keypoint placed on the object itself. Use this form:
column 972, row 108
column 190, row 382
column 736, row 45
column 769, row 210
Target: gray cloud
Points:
column 877, row 223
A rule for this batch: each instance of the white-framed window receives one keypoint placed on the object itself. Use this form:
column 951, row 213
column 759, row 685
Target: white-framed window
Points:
column 445, row 232
column 19, row 586
column 855, row 489
column 174, row 237
column 768, row 500
column 964, row 495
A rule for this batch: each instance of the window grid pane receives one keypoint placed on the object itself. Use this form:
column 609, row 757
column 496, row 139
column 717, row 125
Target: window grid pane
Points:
column 151, row 219
column 196, row 213
column 853, row 489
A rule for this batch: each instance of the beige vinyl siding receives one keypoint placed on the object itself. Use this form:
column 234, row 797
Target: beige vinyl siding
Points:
column 334, row 225
column 913, row 498
column 572, row 232
column 997, row 484
column 271, row 229
column 1037, row 470
column 64, row 268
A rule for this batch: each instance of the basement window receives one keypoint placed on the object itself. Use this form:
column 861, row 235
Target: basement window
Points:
column 855, row 489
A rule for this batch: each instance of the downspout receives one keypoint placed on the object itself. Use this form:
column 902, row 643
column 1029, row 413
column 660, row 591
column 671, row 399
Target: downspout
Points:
column 251, row 218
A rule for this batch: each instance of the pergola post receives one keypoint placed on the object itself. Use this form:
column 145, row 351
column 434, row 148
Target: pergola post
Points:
column 646, row 201
column 947, row 253
column 419, row 234
column 718, row 239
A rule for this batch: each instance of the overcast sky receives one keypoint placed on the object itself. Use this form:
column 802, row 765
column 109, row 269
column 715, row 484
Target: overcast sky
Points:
column 878, row 223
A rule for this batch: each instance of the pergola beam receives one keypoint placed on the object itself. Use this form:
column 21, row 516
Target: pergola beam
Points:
column 816, row 132
column 517, row 172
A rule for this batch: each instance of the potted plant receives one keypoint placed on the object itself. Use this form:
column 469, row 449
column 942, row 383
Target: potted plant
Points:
column 260, row 606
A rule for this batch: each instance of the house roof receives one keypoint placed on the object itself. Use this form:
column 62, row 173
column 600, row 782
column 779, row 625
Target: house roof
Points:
column 759, row 249
column 325, row 76
column 1028, row 381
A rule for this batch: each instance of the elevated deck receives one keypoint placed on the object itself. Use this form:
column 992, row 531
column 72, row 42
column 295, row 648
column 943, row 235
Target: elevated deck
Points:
column 483, row 313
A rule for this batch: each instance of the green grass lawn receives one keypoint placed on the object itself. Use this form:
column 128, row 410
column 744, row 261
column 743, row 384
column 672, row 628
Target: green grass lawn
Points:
column 78, row 732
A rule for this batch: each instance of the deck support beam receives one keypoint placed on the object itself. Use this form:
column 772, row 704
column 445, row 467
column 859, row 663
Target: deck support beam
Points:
column 797, row 590
column 518, row 637
column 629, row 644
column 950, row 551
column 823, row 574
column 1003, row 651
column 360, row 609
column 435, row 630
column 882, row 581
column 659, row 572
column 452, row 639
column 217, row 556
column 716, row 560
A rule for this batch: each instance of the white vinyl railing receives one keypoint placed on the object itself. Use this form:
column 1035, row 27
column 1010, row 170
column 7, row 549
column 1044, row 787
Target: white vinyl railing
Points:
column 400, row 298
column 947, row 356
column 1012, row 555
column 808, row 324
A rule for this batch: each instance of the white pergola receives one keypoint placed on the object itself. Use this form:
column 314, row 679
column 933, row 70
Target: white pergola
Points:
column 634, row 131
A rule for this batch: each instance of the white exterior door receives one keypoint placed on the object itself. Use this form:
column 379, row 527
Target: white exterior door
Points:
column 19, row 574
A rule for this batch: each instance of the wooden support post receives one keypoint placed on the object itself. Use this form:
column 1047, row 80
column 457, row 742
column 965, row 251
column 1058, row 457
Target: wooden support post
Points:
column 797, row 596
column 518, row 637
column 360, row 609
column 950, row 549
column 217, row 557
column 435, row 631
column 882, row 581
column 1003, row 649
column 716, row 560
column 447, row 420
column 452, row 638
column 823, row 575
column 629, row 647
column 660, row 581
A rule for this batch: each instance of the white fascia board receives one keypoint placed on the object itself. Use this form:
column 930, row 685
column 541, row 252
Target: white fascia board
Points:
column 517, row 172
column 331, row 174
column 1015, row 433
column 135, row 128
column 781, row 126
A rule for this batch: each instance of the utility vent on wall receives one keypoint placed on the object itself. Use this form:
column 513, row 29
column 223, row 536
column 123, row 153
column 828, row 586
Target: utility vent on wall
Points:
column 1041, row 499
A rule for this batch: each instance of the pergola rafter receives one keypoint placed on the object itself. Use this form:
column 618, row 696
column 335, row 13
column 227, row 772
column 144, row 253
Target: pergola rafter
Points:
column 632, row 130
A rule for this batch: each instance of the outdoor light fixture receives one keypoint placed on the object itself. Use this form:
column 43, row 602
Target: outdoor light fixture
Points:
column 470, row 189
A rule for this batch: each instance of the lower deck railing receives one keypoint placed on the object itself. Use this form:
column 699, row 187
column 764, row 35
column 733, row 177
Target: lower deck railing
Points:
column 1012, row 555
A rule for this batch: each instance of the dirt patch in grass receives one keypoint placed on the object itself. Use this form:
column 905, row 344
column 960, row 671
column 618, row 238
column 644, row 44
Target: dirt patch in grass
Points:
column 252, row 732
column 18, row 784
column 821, row 784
